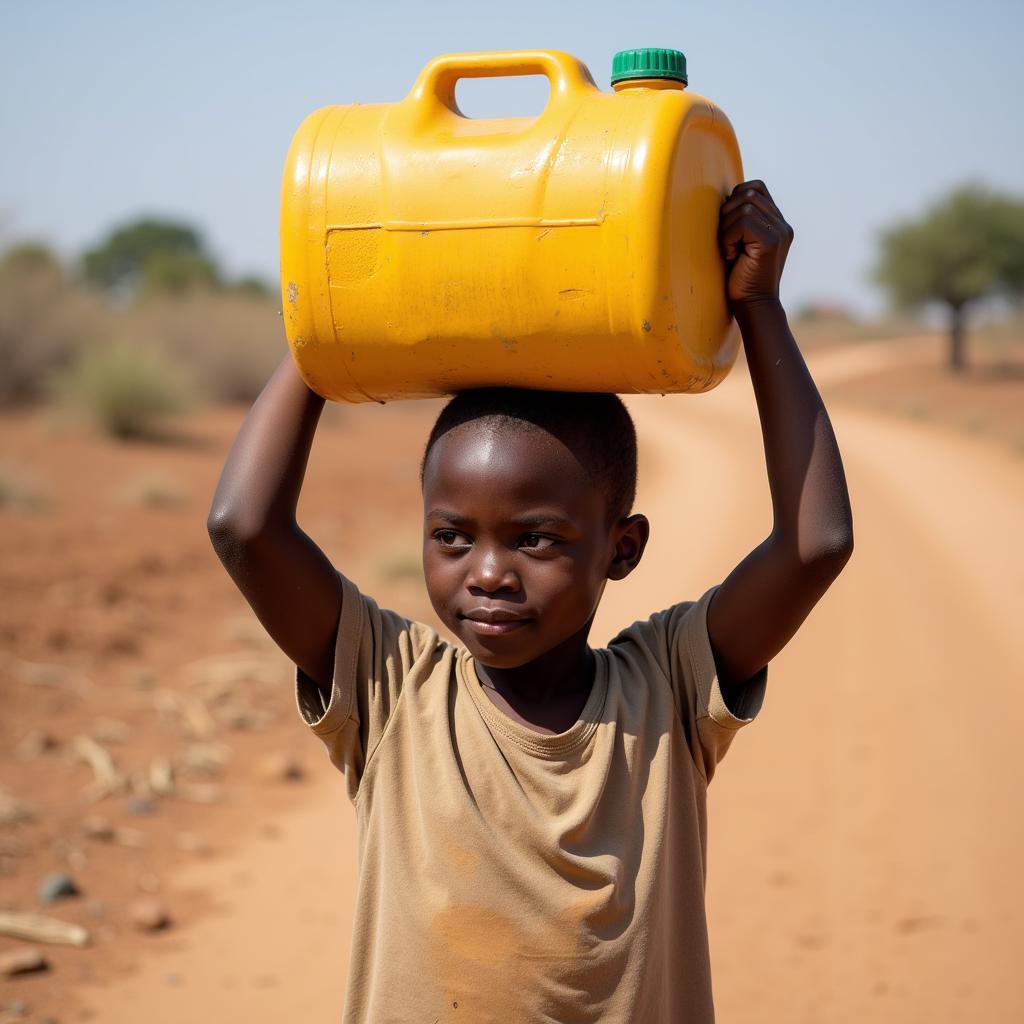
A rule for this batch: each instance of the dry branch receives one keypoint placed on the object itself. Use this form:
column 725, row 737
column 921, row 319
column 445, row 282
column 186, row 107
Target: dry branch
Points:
column 39, row 928
column 108, row 780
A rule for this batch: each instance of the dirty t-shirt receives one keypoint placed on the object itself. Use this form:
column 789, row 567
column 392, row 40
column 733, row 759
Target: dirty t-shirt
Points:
column 506, row 875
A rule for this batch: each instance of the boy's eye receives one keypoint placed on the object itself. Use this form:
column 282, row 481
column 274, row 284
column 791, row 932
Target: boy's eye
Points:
column 536, row 541
column 450, row 538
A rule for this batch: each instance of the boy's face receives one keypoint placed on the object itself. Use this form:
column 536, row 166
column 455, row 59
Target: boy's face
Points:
column 516, row 543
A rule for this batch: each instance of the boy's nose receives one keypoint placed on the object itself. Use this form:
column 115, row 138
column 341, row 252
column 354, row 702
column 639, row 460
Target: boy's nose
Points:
column 491, row 573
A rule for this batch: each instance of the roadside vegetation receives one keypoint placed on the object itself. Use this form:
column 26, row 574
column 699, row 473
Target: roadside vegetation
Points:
column 145, row 324
column 140, row 328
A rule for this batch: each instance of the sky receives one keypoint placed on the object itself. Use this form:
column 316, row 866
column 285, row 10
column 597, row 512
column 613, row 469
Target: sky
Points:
column 855, row 115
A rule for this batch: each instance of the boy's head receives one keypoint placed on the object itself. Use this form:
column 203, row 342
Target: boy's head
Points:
column 527, row 496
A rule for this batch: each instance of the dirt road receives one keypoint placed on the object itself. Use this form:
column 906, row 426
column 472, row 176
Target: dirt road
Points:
column 866, row 832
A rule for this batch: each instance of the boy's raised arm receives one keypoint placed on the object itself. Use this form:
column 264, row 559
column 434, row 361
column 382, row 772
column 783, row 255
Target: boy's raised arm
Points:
column 289, row 582
column 763, row 601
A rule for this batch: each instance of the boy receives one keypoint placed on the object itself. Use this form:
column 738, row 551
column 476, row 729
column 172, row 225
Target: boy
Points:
column 531, row 811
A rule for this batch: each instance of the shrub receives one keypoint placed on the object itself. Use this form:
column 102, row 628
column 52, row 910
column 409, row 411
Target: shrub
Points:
column 230, row 343
column 130, row 390
column 44, row 320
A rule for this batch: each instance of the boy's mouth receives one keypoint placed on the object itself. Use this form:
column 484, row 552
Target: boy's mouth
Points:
column 494, row 621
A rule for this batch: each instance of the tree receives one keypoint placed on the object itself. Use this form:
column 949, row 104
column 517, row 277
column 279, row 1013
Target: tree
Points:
column 30, row 258
column 966, row 247
column 151, row 255
column 44, row 320
column 175, row 273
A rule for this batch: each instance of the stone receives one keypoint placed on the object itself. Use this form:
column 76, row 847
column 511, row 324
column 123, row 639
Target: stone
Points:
column 282, row 768
column 141, row 805
column 57, row 886
column 206, row 759
column 23, row 961
column 96, row 827
column 149, row 915
column 239, row 717
column 14, row 811
column 35, row 744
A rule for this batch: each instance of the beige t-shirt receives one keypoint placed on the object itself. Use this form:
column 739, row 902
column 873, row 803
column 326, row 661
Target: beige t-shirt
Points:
column 506, row 875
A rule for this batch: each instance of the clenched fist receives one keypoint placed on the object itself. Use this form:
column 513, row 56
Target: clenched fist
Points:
column 754, row 239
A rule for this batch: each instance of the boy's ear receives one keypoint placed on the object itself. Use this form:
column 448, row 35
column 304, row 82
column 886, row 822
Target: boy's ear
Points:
column 631, row 535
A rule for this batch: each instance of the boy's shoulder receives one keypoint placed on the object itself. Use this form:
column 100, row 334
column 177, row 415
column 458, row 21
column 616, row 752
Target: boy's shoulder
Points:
column 662, row 628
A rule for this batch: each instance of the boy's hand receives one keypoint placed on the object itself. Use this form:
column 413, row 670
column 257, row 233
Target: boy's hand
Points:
column 754, row 239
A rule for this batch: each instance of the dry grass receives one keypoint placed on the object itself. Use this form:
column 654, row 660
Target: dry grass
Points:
column 228, row 343
column 128, row 390
column 44, row 321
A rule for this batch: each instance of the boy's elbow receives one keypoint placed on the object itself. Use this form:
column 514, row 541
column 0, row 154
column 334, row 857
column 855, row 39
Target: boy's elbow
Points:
column 830, row 553
column 229, row 531
column 817, row 548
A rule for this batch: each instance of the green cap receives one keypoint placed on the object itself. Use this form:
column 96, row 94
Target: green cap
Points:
column 649, row 62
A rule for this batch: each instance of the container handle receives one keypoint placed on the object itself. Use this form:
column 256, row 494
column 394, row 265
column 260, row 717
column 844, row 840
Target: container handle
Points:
column 436, row 82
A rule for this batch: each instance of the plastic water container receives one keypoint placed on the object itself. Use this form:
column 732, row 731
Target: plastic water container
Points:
column 424, row 252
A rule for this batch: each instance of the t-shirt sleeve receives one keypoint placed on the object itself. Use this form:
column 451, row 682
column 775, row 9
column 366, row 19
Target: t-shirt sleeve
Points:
column 377, row 654
column 677, row 639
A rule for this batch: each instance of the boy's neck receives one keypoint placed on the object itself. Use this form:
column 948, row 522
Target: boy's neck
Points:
column 562, row 672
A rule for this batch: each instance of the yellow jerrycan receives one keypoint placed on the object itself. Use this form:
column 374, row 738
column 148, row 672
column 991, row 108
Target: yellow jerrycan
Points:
column 424, row 252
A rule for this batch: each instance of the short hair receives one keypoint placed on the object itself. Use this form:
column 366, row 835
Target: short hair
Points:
column 597, row 428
